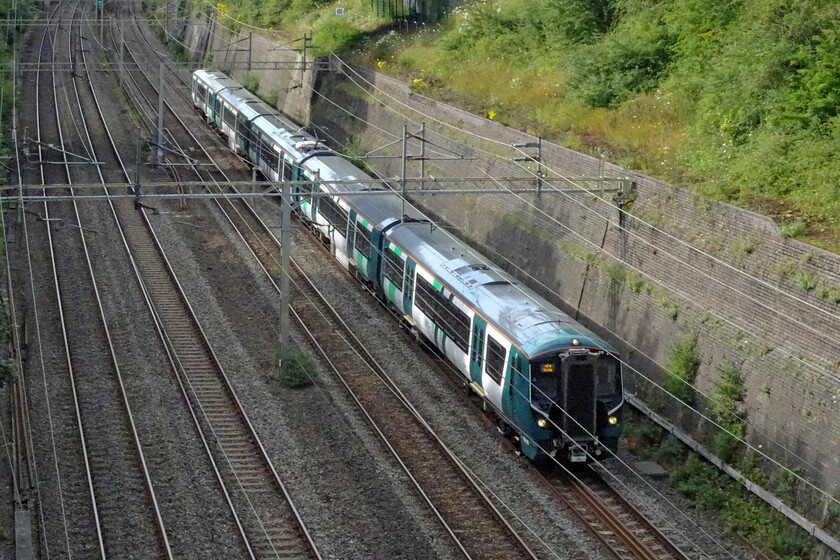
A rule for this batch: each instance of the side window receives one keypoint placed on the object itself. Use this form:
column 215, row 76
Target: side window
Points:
column 241, row 127
column 230, row 117
column 334, row 214
column 287, row 170
column 394, row 266
column 268, row 155
column 362, row 240
column 444, row 313
column 495, row 360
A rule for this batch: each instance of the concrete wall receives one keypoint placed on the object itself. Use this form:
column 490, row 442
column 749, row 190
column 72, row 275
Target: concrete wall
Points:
column 278, row 68
column 720, row 272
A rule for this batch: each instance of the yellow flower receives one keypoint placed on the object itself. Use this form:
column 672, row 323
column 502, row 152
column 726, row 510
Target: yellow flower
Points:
column 418, row 80
column 381, row 63
column 492, row 115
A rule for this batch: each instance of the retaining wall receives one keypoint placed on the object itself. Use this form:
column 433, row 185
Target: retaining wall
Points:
column 673, row 264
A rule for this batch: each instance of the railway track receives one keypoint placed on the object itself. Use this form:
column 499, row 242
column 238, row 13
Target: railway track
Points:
column 622, row 529
column 466, row 513
column 125, row 513
column 262, row 509
column 612, row 519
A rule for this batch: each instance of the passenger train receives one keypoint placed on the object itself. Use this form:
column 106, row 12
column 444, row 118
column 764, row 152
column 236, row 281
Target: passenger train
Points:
column 556, row 386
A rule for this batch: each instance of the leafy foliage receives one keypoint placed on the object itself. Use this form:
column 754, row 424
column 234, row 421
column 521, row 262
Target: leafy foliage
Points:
column 297, row 369
column 713, row 490
column 682, row 368
column 725, row 408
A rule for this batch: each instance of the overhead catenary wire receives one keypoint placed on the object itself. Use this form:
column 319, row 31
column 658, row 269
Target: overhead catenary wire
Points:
column 685, row 296
column 759, row 451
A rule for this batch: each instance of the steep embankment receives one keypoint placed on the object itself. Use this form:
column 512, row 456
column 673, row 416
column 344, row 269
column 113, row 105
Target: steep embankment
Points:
column 737, row 100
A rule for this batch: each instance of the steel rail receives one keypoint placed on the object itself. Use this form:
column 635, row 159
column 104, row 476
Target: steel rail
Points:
column 372, row 363
column 633, row 543
column 648, row 529
column 218, row 363
column 161, row 527
column 79, row 424
column 42, row 517
column 252, row 432
column 159, row 326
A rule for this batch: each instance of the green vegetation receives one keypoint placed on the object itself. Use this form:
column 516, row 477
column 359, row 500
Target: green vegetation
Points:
column 738, row 100
column 713, row 490
column 298, row 368
column 682, row 369
column 724, row 408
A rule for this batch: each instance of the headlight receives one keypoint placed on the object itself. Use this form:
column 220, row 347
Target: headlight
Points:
column 613, row 420
column 542, row 422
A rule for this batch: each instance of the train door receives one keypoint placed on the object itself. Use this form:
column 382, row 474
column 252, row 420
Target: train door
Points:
column 408, row 284
column 254, row 146
column 479, row 327
column 393, row 273
column 243, row 134
column 354, row 238
column 495, row 365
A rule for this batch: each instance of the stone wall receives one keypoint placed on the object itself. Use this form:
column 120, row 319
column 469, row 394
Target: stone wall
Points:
column 671, row 264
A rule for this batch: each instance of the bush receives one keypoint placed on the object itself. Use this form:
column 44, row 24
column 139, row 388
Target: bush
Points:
column 252, row 82
column 334, row 33
column 297, row 369
column 682, row 369
column 792, row 229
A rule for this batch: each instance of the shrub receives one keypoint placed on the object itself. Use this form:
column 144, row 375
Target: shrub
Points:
column 724, row 409
column 806, row 281
column 297, row 368
column 251, row 82
column 682, row 369
column 333, row 33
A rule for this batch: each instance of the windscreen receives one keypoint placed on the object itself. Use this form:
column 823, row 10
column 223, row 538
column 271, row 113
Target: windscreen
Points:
column 546, row 385
column 608, row 381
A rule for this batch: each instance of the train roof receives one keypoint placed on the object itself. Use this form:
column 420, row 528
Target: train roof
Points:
column 524, row 317
column 216, row 80
column 380, row 210
column 245, row 102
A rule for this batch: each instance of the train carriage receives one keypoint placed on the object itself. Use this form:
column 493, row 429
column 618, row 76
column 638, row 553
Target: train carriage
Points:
column 206, row 85
column 554, row 383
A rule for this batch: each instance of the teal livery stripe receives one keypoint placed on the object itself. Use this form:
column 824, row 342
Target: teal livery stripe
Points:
column 392, row 291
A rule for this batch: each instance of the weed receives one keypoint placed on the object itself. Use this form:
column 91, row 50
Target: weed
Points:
column 297, row 368
column 637, row 284
column 786, row 267
column 251, row 82
column 792, row 230
column 682, row 369
column 806, row 281
column 616, row 271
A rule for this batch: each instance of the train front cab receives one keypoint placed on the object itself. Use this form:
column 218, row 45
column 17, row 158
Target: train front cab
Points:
column 576, row 398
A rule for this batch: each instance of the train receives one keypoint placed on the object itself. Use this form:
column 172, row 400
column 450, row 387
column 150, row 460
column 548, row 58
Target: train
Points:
column 554, row 386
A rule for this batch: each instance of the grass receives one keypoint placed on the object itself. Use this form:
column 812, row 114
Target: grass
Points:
column 651, row 85
column 682, row 369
